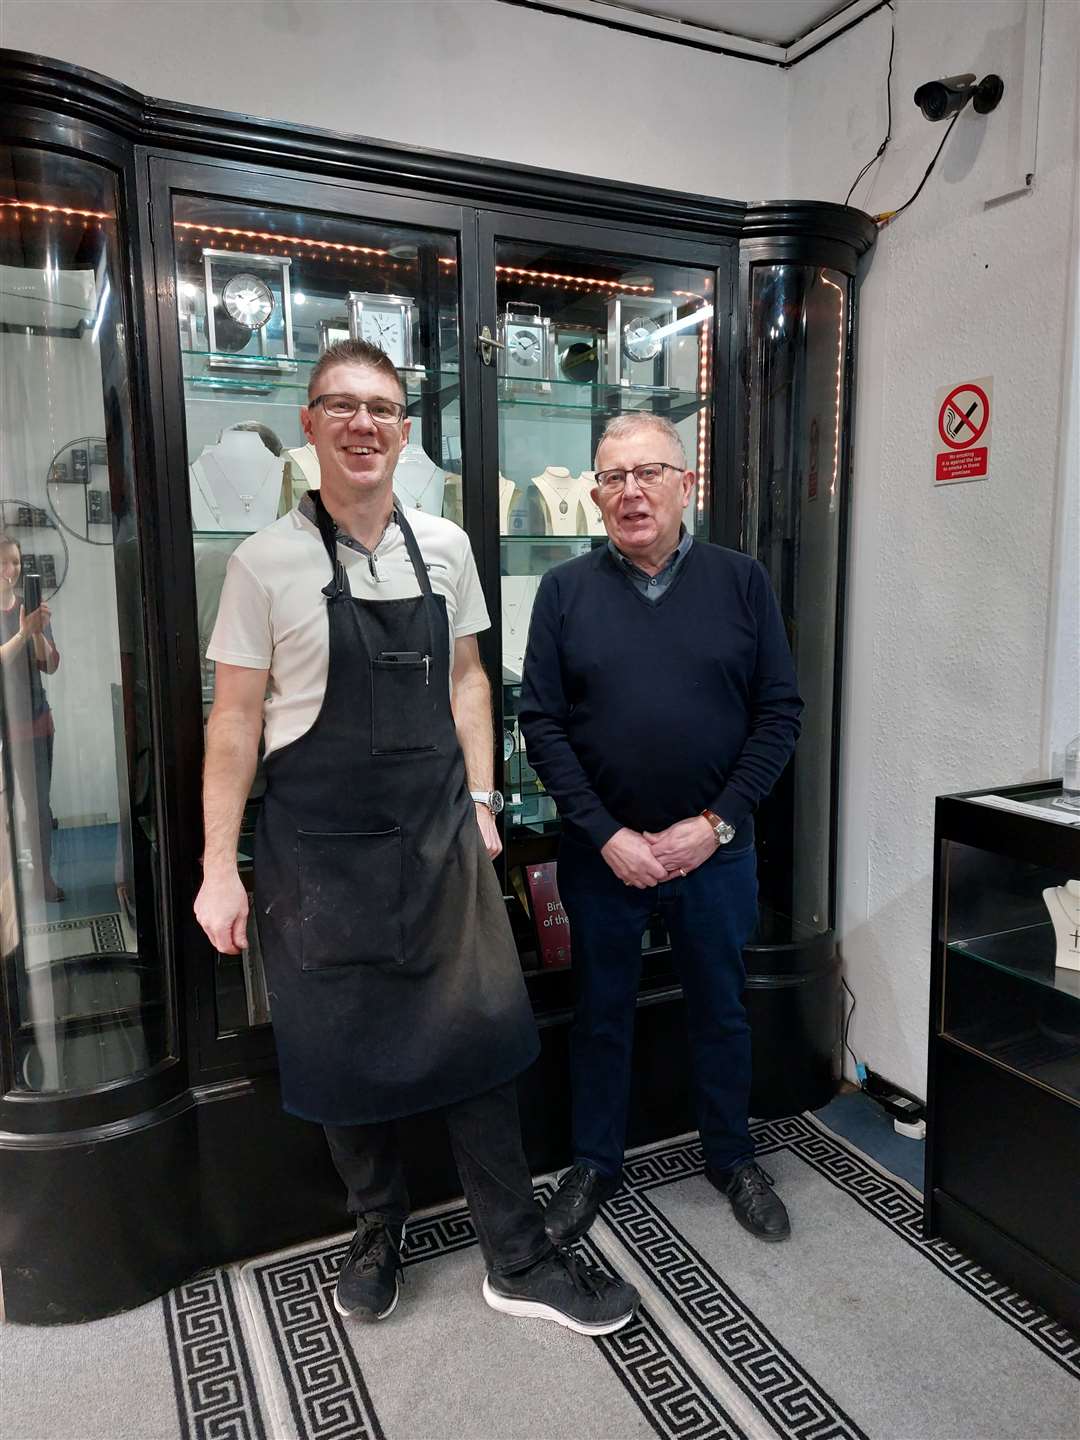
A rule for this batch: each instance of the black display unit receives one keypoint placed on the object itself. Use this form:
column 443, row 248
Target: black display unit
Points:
column 195, row 263
column 1003, row 1111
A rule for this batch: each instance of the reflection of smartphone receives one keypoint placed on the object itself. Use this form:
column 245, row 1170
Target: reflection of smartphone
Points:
column 31, row 592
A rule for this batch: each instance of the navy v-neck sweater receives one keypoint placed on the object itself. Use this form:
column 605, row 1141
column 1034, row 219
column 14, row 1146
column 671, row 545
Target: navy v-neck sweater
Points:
column 639, row 714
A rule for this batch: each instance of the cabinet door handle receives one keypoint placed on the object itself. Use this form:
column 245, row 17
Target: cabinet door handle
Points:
column 487, row 345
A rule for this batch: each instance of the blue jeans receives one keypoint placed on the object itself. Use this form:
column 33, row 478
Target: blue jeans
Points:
column 710, row 915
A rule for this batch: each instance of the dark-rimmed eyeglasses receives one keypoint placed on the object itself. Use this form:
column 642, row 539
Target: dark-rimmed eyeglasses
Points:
column 344, row 407
column 647, row 476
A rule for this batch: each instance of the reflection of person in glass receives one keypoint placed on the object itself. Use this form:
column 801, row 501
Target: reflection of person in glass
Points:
column 28, row 651
column 656, row 782
column 392, row 972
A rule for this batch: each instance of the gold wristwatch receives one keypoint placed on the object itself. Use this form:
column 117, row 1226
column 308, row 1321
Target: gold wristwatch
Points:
column 723, row 833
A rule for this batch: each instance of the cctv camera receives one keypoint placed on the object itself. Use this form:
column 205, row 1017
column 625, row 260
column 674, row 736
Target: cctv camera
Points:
column 940, row 98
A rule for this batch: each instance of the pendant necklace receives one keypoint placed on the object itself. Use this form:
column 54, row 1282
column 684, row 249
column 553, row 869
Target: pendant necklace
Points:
column 247, row 500
column 414, row 500
column 561, row 490
column 514, row 616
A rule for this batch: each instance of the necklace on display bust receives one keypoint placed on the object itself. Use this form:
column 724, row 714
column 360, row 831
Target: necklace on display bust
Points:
column 561, row 481
column 1073, row 915
column 247, row 499
column 414, row 499
column 522, row 609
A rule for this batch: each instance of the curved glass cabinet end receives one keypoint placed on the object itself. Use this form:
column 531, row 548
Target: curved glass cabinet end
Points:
column 87, row 999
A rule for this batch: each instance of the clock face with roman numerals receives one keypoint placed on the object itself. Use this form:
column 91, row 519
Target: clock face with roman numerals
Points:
column 524, row 346
column 383, row 329
column 247, row 300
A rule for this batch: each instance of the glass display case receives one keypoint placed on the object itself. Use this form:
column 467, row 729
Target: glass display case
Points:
column 1004, row 1053
column 261, row 291
column 583, row 334
column 792, row 516
column 88, row 998
column 172, row 275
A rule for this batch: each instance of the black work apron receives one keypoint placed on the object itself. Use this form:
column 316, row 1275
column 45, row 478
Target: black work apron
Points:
column 393, row 976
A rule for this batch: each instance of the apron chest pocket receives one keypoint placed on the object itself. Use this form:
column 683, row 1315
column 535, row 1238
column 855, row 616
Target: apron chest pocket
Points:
column 350, row 899
column 403, row 709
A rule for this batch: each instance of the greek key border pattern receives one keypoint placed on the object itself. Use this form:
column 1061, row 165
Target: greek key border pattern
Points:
column 216, row 1397
column 883, row 1197
column 770, row 1377
column 327, row 1395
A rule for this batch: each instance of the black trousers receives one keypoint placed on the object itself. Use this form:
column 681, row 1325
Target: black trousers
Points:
column 485, row 1134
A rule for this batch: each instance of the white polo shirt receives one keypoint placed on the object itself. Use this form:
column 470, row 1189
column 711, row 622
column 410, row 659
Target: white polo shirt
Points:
column 273, row 615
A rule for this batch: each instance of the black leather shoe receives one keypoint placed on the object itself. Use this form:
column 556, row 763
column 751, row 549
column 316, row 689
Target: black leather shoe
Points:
column 756, row 1204
column 572, row 1209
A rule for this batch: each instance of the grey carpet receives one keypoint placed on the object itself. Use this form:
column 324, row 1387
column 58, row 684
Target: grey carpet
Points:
column 856, row 1327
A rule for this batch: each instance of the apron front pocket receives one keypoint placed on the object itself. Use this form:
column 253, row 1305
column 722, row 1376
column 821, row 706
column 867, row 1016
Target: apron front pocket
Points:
column 404, row 715
column 350, row 898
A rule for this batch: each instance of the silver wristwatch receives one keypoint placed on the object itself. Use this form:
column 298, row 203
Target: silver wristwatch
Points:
column 723, row 833
column 493, row 799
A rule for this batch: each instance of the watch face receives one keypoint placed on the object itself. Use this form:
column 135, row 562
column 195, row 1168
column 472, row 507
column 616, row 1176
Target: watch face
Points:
column 384, row 329
column 639, row 339
column 247, row 300
column 495, row 802
column 524, row 346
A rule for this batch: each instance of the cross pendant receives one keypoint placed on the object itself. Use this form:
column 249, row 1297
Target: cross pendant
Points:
column 1075, row 938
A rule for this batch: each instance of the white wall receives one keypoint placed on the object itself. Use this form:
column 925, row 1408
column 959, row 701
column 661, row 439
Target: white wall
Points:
column 949, row 590
column 470, row 76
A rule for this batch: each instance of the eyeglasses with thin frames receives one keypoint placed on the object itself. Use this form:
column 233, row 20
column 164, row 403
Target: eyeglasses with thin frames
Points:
column 344, row 407
column 648, row 476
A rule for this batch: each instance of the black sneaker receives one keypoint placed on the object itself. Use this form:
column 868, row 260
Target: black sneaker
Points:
column 562, row 1289
column 573, row 1207
column 368, row 1287
column 756, row 1204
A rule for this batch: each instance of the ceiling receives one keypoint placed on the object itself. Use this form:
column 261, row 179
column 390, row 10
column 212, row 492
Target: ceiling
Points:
column 771, row 22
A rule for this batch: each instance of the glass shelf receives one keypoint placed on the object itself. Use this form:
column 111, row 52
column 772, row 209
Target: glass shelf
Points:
column 1027, row 954
column 556, row 398
column 552, row 539
column 288, row 380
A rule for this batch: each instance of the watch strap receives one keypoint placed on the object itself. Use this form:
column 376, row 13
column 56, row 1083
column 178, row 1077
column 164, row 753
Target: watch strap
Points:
column 723, row 833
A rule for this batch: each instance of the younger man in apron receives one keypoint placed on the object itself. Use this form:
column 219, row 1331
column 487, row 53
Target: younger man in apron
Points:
column 393, row 977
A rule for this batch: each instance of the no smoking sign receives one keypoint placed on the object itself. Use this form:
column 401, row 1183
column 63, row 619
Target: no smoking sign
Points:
column 962, row 442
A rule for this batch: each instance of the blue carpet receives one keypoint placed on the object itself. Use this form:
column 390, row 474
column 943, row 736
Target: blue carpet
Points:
column 84, row 863
column 858, row 1119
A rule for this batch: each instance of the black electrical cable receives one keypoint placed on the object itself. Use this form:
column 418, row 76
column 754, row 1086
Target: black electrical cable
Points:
column 888, row 216
column 847, row 1023
column 888, row 129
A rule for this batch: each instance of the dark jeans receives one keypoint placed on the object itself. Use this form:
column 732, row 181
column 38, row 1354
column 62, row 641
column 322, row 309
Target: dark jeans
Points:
column 710, row 914
column 485, row 1134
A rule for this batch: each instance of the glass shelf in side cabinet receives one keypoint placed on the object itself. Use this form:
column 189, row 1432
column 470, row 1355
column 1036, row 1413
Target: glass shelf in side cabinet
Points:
column 1027, row 954
column 221, row 376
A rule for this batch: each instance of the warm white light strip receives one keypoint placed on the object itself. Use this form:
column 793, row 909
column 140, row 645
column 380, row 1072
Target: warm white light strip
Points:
column 839, row 379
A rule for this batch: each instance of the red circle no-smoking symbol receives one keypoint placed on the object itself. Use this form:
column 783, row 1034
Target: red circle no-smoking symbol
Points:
column 964, row 416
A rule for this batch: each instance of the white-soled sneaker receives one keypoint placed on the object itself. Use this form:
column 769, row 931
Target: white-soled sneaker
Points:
column 562, row 1289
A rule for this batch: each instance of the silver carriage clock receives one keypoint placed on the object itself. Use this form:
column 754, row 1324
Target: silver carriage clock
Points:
column 385, row 321
column 248, row 311
column 527, row 344
column 638, row 352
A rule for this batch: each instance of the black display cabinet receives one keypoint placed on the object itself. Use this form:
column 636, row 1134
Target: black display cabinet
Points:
column 171, row 276
column 1003, row 1116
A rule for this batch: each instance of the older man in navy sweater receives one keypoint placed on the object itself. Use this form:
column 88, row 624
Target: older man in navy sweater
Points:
column 659, row 707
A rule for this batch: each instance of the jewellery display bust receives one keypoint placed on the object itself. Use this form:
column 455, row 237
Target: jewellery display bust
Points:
column 1063, row 904
column 418, row 482
column 507, row 491
column 562, row 495
column 235, row 484
column 518, row 596
column 594, row 519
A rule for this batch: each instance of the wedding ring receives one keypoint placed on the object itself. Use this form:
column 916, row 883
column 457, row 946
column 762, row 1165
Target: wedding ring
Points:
column 682, row 872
